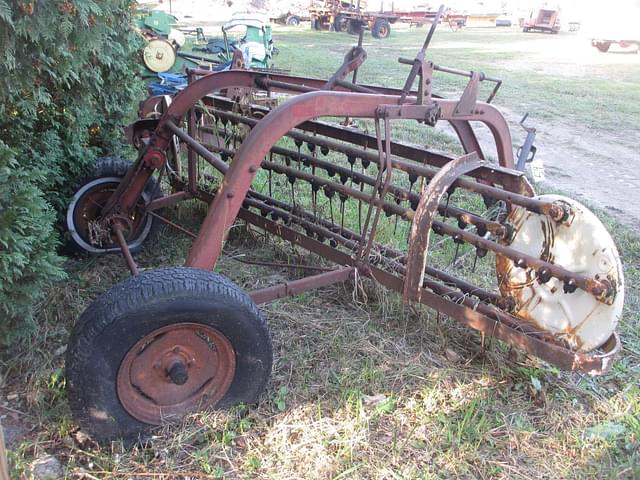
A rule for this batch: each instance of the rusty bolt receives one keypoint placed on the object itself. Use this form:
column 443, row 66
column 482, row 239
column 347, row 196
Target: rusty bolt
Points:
column 570, row 286
column 544, row 275
column 178, row 373
column 557, row 212
column 154, row 159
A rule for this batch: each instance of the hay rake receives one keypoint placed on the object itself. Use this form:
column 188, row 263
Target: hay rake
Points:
column 458, row 233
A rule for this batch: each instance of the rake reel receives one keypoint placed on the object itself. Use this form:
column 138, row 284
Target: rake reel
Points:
column 458, row 233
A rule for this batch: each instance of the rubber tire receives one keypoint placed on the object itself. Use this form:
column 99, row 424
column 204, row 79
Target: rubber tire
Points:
column 381, row 29
column 127, row 312
column 603, row 46
column 293, row 20
column 105, row 167
column 340, row 23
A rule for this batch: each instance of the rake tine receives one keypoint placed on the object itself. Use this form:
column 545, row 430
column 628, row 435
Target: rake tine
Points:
column 331, row 209
column 444, row 213
column 314, row 200
column 360, row 210
column 455, row 257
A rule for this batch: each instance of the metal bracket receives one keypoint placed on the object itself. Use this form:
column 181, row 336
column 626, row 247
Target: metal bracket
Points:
column 420, row 67
column 424, row 88
column 354, row 58
column 467, row 103
column 527, row 152
column 429, row 114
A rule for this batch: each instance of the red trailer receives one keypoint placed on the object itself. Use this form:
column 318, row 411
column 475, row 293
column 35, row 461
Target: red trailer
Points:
column 542, row 20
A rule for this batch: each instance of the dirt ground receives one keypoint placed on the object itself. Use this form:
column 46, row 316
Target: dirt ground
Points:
column 594, row 163
column 599, row 169
column 592, row 156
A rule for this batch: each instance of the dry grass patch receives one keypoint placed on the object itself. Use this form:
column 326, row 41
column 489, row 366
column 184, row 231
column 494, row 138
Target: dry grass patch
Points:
column 360, row 389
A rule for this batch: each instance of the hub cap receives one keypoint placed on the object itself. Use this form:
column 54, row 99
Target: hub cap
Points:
column 174, row 370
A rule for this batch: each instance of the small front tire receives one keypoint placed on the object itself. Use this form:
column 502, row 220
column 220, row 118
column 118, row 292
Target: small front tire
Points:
column 86, row 204
column 340, row 23
column 293, row 20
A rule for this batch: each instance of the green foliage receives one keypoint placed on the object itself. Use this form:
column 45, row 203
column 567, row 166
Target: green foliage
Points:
column 27, row 245
column 68, row 82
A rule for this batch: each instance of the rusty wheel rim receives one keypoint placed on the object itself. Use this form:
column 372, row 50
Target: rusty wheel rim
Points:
column 175, row 370
column 88, row 210
column 383, row 31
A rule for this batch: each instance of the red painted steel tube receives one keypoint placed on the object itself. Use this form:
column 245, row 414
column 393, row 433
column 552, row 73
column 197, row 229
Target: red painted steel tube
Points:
column 117, row 228
column 492, row 118
column 296, row 287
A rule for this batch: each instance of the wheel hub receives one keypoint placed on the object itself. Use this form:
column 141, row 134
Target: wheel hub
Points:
column 580, row 244
column 175, row 370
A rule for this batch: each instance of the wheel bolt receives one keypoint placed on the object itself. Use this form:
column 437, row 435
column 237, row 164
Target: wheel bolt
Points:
column 178, row 373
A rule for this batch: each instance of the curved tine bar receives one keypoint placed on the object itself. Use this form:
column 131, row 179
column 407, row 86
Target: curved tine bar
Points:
column 425, row 214
column 224, row 208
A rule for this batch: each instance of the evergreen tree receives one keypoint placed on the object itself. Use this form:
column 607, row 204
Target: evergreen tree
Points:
column 68, row 82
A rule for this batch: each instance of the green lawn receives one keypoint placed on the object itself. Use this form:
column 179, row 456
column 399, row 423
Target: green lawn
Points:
column 556, row 77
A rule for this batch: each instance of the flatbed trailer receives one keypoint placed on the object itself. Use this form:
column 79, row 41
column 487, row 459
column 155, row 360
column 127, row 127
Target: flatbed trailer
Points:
column 340, row 16
column 292, row 19
column 603, row 44
column 424, row 17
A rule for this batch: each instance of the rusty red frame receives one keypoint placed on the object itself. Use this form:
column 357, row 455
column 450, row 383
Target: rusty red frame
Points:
column 313, row 103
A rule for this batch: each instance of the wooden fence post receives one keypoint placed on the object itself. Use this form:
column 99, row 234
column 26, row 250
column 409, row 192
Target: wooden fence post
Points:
column 4, row 470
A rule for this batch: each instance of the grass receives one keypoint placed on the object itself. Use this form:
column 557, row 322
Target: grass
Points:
column 564, row 81
column 363, row 386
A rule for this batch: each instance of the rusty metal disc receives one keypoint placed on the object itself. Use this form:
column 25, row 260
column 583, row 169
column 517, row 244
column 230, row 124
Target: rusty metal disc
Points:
column 174, row 370
column 580, row 244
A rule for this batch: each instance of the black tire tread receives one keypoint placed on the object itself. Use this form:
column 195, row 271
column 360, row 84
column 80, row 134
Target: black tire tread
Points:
column 375, row 31
column 108, row 167
column 147, row 288
column 157, row 284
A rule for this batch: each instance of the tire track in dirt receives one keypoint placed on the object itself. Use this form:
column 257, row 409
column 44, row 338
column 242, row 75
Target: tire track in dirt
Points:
column 599, row 168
